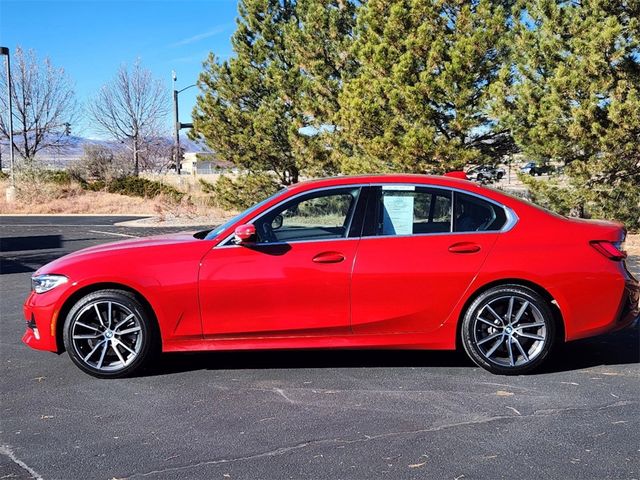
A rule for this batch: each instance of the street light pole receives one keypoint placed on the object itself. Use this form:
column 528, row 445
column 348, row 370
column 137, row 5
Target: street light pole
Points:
column 176, row 122
column 11, row 191
column 176, row 126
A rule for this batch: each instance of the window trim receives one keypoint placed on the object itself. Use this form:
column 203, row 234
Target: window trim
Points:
column 365, row 194
column 360, row 187
column 510, row 222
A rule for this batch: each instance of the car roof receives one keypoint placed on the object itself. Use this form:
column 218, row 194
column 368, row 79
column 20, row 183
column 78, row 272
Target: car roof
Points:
column 427, row 180
column 380, row 178
column 436, row 180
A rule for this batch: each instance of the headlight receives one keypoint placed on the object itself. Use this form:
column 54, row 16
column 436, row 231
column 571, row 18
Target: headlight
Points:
column 44, row 283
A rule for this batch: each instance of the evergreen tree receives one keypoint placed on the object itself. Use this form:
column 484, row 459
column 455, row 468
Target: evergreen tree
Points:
column 571, row 94
column 322, row 41
column 419, row 100
column 250, row 110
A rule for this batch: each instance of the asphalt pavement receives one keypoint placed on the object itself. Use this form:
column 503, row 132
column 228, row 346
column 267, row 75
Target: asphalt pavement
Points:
column 322, row 414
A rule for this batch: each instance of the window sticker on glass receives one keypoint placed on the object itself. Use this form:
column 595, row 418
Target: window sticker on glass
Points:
column 397, row 215
column 399, row 188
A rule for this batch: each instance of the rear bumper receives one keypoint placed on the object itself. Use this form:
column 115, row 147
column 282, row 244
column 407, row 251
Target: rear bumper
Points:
column 629, row 305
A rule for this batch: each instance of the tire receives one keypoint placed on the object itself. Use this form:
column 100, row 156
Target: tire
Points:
column 109, row 334
column 513, row 348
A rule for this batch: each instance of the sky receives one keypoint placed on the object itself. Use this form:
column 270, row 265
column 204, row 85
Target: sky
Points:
column 91, row 39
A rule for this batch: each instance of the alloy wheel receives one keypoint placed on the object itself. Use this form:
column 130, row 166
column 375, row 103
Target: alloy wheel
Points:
column 107, row 335
column 509, row 331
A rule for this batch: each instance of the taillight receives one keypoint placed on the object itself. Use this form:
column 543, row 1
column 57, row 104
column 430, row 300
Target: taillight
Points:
column 611, row 250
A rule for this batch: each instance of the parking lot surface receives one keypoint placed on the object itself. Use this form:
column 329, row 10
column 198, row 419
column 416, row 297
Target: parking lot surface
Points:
column 324, row 414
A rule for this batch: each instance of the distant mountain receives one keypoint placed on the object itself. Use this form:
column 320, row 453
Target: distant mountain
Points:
column 74, row 149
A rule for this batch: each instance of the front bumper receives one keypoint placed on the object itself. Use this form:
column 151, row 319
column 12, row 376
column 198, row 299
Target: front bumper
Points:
column 41, row 315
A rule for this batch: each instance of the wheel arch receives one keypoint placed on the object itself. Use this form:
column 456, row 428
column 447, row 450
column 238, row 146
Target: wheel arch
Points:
column 553, row 304
column 94, row 287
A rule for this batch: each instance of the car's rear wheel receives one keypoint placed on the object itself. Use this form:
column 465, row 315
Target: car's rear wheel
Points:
column 109, row 334
column 509, row 329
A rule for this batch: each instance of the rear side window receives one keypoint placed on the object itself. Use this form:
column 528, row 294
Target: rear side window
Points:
column 408, row 210
column 472, row 214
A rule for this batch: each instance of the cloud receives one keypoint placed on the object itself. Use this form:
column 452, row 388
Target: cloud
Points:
column 198, row 57
column 201, row 36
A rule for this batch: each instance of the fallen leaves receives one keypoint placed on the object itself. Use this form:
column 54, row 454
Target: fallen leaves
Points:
column 503, row 393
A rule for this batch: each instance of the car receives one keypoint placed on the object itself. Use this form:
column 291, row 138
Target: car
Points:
column 383, row 262
column 532, row 168
column 486, row 174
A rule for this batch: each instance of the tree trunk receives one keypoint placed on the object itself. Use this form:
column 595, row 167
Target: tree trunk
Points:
column 136, row 165
column 291, row 175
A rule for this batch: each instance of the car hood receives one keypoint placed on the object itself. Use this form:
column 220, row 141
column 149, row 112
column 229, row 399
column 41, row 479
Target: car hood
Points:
column 120, row 247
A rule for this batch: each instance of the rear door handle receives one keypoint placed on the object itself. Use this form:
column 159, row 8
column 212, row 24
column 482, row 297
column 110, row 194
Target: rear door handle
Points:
column 464, row 247
column 328, row 257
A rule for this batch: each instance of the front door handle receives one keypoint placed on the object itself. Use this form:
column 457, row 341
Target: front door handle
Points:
column 328, row 257
column 464, row 247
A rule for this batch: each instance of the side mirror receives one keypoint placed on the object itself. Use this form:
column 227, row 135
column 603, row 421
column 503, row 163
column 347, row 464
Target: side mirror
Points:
column 244, row 233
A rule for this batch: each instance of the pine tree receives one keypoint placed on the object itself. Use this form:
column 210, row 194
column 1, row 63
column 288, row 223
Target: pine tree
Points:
column 571, row 94
column 420, row 98
column 322, row 42
column 250, row 111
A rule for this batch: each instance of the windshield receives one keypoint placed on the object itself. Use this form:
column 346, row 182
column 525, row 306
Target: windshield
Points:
column 218, row 230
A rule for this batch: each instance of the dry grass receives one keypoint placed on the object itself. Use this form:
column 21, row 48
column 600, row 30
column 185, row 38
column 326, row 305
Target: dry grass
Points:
column 36, row 197
column 39, row 197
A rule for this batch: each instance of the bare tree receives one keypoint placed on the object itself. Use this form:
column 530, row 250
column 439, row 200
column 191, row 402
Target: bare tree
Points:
column 131, row 109
column 44, row 105
column 157, row 155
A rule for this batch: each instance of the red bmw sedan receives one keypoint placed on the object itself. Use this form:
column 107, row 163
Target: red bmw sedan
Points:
column 395, row 261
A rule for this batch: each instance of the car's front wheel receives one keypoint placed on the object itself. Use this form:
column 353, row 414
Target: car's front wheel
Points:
column 109, row 334
column 509, row 329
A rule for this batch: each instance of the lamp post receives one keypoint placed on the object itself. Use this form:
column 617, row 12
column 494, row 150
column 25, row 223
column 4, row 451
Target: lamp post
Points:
column 176, row 121
column 11, row 191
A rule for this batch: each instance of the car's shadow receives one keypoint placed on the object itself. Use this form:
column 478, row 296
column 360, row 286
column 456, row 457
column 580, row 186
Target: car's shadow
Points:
column 18, row 252
column 618, row 348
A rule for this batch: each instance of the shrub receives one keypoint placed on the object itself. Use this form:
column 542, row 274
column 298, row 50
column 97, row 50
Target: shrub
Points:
column 99, row 163
column 36, row 185
column 207, row 187
column 59, row 177
column 242, row 192
column 141, row 187
column 620, row 201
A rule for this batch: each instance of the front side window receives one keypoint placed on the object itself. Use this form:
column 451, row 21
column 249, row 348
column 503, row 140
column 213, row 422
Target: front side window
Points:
column 319, row 215
column 408, row 210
